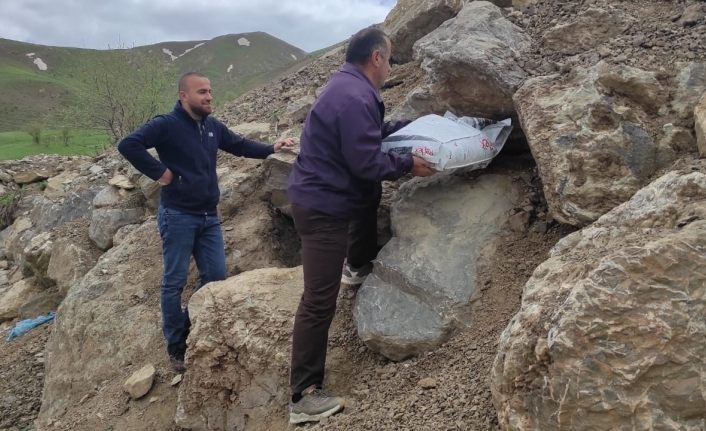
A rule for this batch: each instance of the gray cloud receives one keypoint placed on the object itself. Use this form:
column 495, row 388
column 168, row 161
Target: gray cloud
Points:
column 308, row 24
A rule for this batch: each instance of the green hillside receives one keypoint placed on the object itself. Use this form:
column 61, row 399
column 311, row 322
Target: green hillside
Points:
column 44, row 85
column 233, row 68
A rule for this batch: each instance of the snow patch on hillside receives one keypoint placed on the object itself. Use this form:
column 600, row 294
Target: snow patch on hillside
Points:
column 243, row 42
column 229, row 68
column 293, row 56
column 40, row 64
column 30, row 54
column 169, row 53
column 191, row 49
column 188, row 50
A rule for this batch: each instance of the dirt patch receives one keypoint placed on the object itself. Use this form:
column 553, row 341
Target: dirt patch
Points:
column 22, row 378
column 656, row 39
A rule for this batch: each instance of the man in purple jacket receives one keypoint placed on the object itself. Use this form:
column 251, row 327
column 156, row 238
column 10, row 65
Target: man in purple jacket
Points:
column 335, row 189
column 187, row 141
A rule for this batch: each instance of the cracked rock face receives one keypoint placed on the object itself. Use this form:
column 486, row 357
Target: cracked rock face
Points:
column 109, row 319
column 594, row 136
column 611, row 334
column 470, row 63
column 410, row 20
column 425, row 276
column 239, row 351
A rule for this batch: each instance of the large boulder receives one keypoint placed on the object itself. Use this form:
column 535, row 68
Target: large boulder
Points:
column 425, row 277
column 610, row 334
column 31, row 176
column 278, row 167
column 109, row 197
column 690, row 85
column 253, row 130
column 57, row 185
column 410, row 20
column 37, row 255
column 106, row 221
column 122, row 182
column 27, row 299
column 236, row 186
column 107, row 327
column 239, row 351
column 16, row 237
column 71, row 258
column 471, row 66
column 77, row 203
column 297, row 110
column 253, row 240
column 41, row 214
column 592, row 136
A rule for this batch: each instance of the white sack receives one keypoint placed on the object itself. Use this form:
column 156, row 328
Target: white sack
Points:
column 449, row 142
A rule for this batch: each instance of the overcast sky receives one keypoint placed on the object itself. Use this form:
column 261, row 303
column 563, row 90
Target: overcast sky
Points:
column 307, row 24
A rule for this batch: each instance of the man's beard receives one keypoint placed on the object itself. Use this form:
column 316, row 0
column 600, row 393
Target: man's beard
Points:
column 199, row 110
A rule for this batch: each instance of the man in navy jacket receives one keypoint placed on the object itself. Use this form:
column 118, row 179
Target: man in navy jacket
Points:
column 335, row 190
column 187, row 141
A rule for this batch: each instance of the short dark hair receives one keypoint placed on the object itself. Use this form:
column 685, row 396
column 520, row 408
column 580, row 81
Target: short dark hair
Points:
column 362, row 44
column 187, row 75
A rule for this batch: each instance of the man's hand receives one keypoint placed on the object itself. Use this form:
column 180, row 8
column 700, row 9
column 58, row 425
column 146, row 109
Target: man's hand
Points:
column 166, row 178
column 286, row 143
column 421, row 168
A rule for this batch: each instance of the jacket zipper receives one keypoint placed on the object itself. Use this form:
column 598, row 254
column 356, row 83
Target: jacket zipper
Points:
column 201, row 132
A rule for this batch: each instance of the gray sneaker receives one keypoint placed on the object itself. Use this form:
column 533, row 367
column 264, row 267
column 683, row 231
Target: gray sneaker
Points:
column 314, row 405
column 355, row 276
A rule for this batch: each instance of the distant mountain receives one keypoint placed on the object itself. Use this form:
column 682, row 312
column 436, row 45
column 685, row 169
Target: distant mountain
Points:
column 39, row 83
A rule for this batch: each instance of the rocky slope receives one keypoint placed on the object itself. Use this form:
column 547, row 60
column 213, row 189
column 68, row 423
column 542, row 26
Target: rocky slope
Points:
column 609, row 97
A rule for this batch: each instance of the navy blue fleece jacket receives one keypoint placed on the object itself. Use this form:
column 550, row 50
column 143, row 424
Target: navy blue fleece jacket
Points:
column 189, row 149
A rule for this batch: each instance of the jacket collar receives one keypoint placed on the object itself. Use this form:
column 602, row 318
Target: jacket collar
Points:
column 179, row 110
column 354, row 70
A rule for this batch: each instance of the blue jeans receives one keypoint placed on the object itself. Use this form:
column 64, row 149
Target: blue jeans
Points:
column 184, row 235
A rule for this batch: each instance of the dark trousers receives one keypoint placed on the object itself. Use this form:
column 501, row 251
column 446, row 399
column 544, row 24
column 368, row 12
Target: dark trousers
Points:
column 326, row 242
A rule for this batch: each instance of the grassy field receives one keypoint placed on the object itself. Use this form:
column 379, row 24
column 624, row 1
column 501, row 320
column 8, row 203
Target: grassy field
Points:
column 16, row 145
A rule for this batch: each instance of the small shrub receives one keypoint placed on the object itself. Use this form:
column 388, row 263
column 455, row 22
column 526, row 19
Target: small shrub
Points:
column 36, row 133
column 66, row 136
column 8, row 205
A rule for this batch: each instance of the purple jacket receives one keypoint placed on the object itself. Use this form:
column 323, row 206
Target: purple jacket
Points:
column 340, row 165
